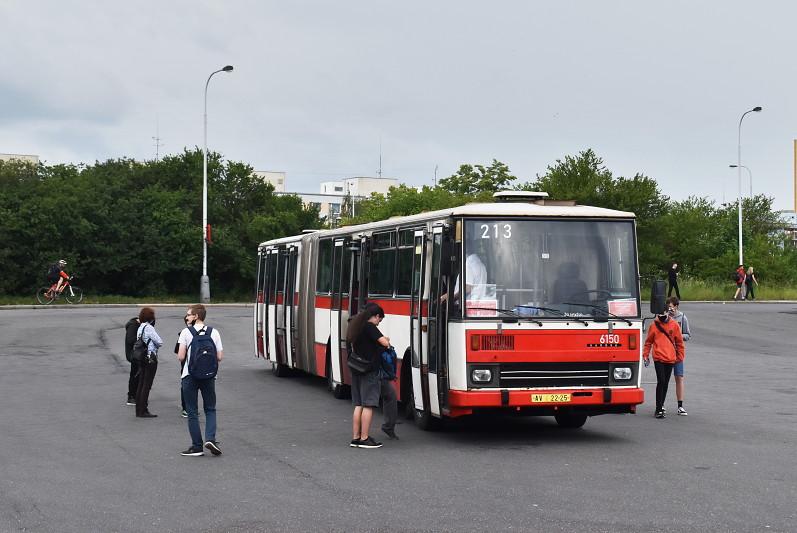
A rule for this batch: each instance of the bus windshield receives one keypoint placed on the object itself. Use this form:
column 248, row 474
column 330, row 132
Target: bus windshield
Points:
column 548, row 268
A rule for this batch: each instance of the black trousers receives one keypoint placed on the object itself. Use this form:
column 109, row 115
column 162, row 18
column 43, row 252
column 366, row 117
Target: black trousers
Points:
column 663, row 373
column 750, row 293
column 674, row 285
column 132, row 382
column 145, row 379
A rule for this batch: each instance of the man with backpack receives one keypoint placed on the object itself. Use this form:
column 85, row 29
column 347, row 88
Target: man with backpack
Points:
column 201, row 349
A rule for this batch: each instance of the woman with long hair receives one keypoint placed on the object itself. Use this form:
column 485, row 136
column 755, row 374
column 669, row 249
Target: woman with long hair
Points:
column 367, row 341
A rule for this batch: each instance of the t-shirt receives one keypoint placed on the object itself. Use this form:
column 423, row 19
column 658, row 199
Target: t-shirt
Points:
column 367, row 344
column 476, row 276
column 186, row 338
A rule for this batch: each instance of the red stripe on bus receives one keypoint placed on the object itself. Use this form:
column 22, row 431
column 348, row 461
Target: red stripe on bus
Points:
column 393, row 306
column 323, row 302
column 321, row 359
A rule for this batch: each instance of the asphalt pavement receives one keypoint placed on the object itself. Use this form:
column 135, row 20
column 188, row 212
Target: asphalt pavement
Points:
column 74, row 458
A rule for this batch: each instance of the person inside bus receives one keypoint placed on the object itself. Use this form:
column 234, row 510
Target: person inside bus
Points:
column 568, row 287
column 475, row 274
column 367, row 341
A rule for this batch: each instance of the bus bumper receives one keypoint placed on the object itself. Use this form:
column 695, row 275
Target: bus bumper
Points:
column 588, row 401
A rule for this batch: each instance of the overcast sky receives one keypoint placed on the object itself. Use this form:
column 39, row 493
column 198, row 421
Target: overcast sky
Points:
column 653, row 87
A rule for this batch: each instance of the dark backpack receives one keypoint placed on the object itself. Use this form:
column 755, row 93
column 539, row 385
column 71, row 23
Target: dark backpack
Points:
column 736, row 276
column 203, row 363
column 52, row 273
column 140, row 348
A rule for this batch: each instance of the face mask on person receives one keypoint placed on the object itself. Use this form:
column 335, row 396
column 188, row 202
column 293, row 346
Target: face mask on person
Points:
column 664, row 318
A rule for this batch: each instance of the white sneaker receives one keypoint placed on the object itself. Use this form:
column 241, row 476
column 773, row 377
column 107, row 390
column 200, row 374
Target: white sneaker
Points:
column 682, row 411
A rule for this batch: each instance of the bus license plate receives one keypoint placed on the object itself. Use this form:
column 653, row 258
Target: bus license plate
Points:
column 549, row 398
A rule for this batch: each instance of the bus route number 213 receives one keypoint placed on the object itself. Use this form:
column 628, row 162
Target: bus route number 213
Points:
column 496, row 231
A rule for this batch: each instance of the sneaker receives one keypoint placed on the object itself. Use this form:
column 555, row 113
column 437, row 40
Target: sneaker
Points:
column 193, row 452
column 390, row 433
column 147, row 415
column 131, row 401
column 213, row 446
column 369, row 443
column 664, row 410
column 355, row 443
column 660, row 414
column 183, row 414
column 682, row 411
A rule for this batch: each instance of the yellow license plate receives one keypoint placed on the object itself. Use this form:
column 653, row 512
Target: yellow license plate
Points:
column 549, row 398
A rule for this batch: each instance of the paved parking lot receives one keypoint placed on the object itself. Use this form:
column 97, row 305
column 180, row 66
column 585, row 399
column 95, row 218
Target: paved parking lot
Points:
column 74, row 457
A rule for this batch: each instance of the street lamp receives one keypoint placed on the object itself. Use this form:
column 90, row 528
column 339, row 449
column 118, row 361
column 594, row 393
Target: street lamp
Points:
column 757, row 109
column 749, row 175
column 204, row 281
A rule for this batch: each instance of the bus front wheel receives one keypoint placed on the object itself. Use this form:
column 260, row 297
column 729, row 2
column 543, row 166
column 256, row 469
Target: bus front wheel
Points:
column 570, row 420
column 280, row 370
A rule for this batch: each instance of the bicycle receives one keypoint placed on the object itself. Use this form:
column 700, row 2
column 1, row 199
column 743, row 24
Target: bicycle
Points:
column 72, row 294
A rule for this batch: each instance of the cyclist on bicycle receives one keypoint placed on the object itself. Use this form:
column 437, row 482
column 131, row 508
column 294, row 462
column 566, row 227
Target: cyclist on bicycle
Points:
column 57, row 274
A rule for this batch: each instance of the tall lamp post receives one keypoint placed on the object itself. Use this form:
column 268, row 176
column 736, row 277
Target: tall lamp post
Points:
column 757, row 109
column 749, row 175
column 204, row 281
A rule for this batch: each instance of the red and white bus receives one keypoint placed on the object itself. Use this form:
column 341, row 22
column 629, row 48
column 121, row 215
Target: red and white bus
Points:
column 546, row 321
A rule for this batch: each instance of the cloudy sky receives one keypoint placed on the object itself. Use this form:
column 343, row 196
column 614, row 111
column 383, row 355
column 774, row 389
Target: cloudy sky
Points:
column 653, row 87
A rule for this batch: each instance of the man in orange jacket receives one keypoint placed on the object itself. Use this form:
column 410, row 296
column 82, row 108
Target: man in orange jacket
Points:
column 664, row 338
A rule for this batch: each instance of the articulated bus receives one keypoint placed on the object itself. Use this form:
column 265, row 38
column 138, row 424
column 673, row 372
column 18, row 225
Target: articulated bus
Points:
column 524, row 305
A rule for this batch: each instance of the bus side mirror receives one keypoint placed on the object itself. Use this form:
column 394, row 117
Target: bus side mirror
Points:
column 657, row 297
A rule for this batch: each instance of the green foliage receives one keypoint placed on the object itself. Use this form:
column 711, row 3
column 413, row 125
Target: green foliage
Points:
column 132, row 228
column 477, row 179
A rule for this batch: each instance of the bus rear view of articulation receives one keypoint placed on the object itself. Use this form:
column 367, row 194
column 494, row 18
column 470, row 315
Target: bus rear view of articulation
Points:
column 527, row 306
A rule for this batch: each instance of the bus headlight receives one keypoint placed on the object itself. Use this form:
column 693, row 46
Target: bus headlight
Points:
column 622, row 373
column 481, row 375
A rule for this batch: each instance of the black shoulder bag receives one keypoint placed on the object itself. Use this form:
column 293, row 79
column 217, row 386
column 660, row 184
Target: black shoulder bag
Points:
column 358, row 364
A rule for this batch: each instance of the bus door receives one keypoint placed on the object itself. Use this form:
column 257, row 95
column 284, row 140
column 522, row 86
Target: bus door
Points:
column 271, row 304
column 291, row 337
column 436, row 320
column 335, row 341
column 279, row 308
column 257, row 314
column 418, row 323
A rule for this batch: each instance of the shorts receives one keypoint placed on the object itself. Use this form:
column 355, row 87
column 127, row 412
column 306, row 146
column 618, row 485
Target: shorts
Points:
column 678, row 369
column 365, row 389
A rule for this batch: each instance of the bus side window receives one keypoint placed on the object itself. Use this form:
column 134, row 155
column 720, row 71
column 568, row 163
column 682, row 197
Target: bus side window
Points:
column 405, row 256
column 383, row 264
column 323, row 283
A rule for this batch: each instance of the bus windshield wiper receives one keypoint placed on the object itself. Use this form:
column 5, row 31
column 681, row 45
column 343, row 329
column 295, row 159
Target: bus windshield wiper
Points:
column 514, row 314
column 557, row 312
column 599, row 308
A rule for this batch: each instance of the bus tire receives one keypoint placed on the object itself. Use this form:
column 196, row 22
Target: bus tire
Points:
column 570, row 420
column 425, row 420
column 280, row 370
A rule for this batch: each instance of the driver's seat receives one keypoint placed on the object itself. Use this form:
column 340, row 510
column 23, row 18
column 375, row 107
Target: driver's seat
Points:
column 568, row 285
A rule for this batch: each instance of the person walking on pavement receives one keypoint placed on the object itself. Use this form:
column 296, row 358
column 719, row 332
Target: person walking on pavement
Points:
column 387, row 379
column 131, row 329
column 686, row 334
column 149, row 365
column 665, row 341
column 749, row 280
column 672, row 276
column 195, row 339
column 368, row 342
column 188, row 323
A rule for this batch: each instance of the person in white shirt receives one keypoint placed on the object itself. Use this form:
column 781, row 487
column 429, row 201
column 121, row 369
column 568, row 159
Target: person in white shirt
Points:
column 191, row 386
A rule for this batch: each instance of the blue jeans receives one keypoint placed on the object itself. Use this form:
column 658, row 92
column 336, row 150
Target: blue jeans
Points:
column 191, row 387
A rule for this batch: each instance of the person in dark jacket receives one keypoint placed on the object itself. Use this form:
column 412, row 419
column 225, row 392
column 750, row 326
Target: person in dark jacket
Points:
column 148, row 366
column 368, row 342
column 131, row 328
column 387, row 380
column 672, row 277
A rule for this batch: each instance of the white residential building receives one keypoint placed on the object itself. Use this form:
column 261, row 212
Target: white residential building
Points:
column 24, row 158
column 277, row 179
column 333, row 194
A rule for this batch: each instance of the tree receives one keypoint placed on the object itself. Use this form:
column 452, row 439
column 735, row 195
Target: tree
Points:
column 478, row 179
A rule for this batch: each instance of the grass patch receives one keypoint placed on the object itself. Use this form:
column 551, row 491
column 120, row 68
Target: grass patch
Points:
column 696, row 289
column 119, row 299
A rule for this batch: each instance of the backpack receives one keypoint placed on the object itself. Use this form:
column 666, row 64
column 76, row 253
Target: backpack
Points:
column 52, row 273
column 203, row 363
column 140, row 348
column 736, row 276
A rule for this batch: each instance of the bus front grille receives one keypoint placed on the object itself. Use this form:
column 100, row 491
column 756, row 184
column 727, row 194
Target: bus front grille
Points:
column 515, row 375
